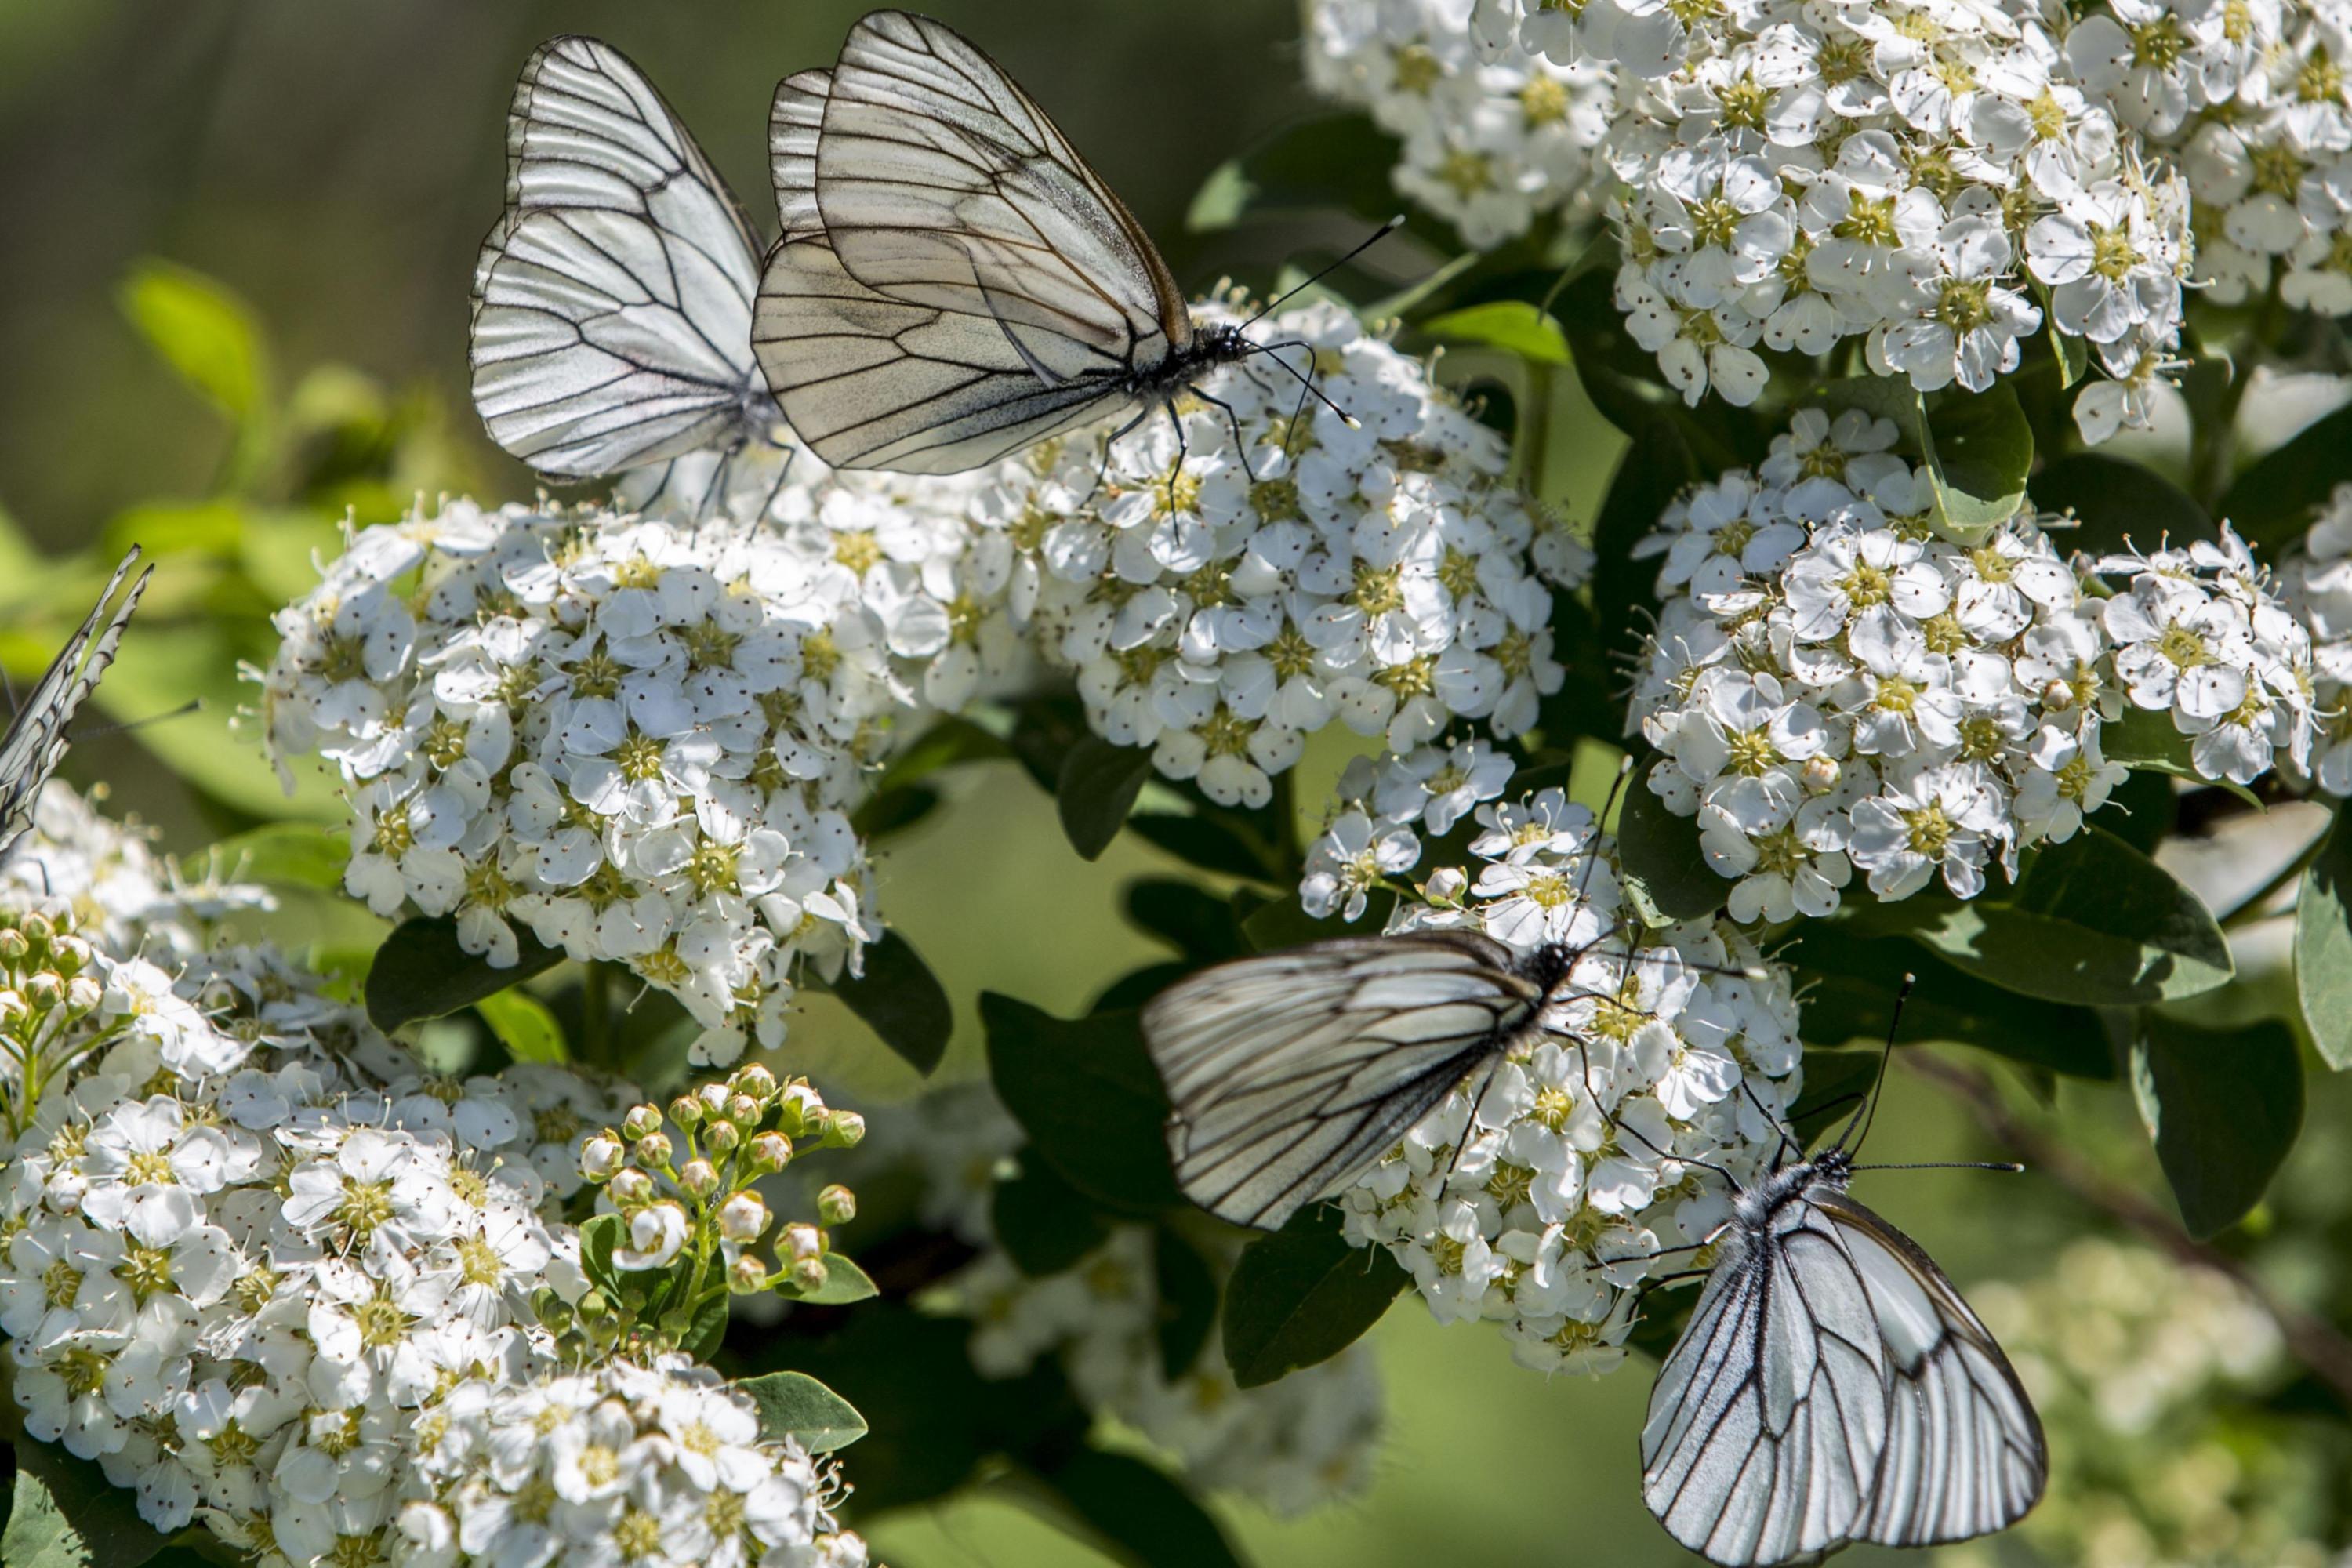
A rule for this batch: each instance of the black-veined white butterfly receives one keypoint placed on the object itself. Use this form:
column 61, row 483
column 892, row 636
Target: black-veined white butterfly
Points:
column 953, row 282
column 1291, row 1072
column 35, row 740
column 612, row 299
column 1833, row 1387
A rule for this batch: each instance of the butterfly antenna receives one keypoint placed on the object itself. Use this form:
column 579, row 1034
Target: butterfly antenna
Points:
column 2012, row 1166
column 193, row 705
column 1370, row 240
column 1868, row 1109
column 1789, row 1144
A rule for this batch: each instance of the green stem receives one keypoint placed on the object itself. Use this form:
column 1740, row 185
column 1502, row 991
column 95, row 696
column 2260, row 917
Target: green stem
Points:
column 1535, row 432
column 595, row 1016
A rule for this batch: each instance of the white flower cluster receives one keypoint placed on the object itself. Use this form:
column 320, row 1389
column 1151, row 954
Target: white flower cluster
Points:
column 1927, row 178
column 1489, row 140
column 661, row 1465
column 2315, row 581
column 1374, row 568
column 635, row 739
column 2147, row 1377
column 2252, row 102
column 1293, row 1446
column 1539, row 1197
column 121, row 892
column 1831, row 687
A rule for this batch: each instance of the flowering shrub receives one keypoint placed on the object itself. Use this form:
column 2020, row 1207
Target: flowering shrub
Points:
column 449, row 1185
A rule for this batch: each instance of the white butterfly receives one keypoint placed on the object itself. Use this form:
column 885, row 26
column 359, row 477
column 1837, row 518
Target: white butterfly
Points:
column 953, row 282
column 613, row 300
column 1291, row 1072
column 1833, row 1387
column 35, row 740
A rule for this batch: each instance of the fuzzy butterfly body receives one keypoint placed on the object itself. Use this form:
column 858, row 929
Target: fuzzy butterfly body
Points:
column 612, row 299
column 1833, row 1387
column 954, row 282
column 36, row 740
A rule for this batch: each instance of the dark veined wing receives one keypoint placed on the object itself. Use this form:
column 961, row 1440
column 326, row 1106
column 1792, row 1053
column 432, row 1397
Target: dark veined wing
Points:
column 941, row 182
column 1964, row 1452
column 1290, row 1072
column 1769, row 1417
column 35, row 740
column 870, row 380
column 612, row 299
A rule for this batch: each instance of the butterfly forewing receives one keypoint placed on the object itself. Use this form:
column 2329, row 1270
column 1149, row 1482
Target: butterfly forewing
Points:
column 36, row 740
column 1964, row 1455
column 612, row 325
column 870, row 381
column 1289, row 1073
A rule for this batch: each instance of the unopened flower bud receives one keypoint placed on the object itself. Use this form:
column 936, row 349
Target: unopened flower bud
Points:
column 2057, row 694
column 799, row 1240
column 742, row 1111
column 37, row 929
column 714, row 1099
column 808, row 1275
column 641, row 1120
column 654, row 1148
column 12, row 1006
column 770, row 1152
column 83, row 993
column 1446, row 885
column 685, row 1110
column 1821, row 774
column 746, row 1275
column 69, row 953
column 844, row 1129
column 12, row 945
column 656, row 1236
column 594, row 1305
column 45, row 988
column 631, row 1186
column 554, row 1313
column 756, row 1081
column 836, row 1205
column 743, row 1217
column 723, row 1137
column 601, row 1156
column 801, row 1109
column 698, row 1177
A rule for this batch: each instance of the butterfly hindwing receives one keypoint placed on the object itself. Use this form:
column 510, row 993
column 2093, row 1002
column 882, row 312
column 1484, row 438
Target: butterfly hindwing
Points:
column 1290, row 1072
column 36, row 740
column 611, row 322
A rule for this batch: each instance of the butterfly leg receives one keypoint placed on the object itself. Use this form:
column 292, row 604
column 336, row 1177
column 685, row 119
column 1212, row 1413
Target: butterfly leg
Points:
column 1183, row 450
column 1233, row 420
column 1102, row 473
column 768, row 503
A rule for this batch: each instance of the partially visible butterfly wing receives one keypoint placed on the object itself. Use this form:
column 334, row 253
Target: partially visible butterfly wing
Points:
column 943, row 184
column 35, row 740
column 1964, row 1450
column 870, row 380
column 1768, row 1417
column 1290, row 1072
column 612, row 323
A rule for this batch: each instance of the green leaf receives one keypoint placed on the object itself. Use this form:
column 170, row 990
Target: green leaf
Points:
column 702, row 1337
column 1282, row 921
column 1338, row 161
column 890, row 811
column 420, row 973
column 2117, row 503
column 64, row 1513
column 2323, row 948
column 1666, row 872
column 1855, row 980
column 2093, row 921
column 1045, row 731
column 1095, row 790
column 1043, row 1223
column 1511, row 325
column 1204, row 842
column 290, row 854
column 1302, row 1296
column 1188, row 918
column 1978, row 446
column 2147, row 741
column 949, row 742
column 1136, row 1513
column 1086, row 1094
column 2223, row 1107
column 209, row 336
column 2272, row 501
column 1137, row 987
column 901, row 1000
column 795, row 1405
column 599, row 1234
column 845, row 1282
column 1188, row 1301
column 524, row 1026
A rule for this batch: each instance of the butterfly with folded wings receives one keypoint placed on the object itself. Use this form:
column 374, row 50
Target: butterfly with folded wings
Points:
column 612, row 326
column 954, row 282
column 36, row 740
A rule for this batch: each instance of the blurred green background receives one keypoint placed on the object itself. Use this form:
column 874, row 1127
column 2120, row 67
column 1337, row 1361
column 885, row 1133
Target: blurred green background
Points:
column 335, row 165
